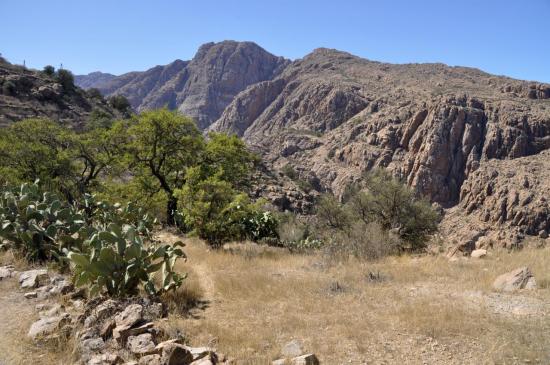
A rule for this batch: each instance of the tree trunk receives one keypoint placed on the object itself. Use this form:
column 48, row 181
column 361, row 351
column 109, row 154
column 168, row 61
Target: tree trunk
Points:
column 171, row 208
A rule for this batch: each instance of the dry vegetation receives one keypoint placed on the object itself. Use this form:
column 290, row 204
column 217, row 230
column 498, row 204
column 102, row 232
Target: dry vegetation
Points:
column 252, row 300
column 249, row 300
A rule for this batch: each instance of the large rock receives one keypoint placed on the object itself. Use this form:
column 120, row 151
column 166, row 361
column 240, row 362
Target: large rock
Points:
column 141, row 344
column 514, row 280
column 48, row 326
column 309, row 359
column 479, row 253
column 7, row 272
column 33, row 278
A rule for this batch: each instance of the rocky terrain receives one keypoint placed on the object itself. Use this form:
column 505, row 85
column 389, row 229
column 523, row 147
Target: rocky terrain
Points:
column 333, row 116
column 26, row 93
column 200, row 88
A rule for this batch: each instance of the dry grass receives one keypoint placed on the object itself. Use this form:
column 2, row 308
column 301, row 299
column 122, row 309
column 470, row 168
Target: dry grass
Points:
column 418, row 311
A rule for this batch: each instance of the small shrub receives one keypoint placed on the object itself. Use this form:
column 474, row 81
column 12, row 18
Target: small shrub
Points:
column 260, row 225
column 94, row 94
column 49, row 70
column 331, row 214
column 9, row 88
column 66, row 79
column 289, row 171
column 120, row 103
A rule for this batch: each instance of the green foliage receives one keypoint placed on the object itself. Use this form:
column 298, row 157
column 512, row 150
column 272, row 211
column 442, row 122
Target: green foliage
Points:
column 261, row 225
column 49, row 70
column 161, row 146
column 118, row 262
column 64, row 161
column 388, row 203
column 104, row 243
column 96, row 94
column 289, row 171
column 66, row 79
column 8, row 88
column 212, row 208
column 120, row 103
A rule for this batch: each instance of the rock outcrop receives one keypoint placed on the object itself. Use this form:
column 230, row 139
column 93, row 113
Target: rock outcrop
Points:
column 200, row 88
column 333, row 116
column 26, row 93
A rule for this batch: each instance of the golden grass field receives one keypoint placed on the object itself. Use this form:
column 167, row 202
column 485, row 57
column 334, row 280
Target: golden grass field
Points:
column 248, row 301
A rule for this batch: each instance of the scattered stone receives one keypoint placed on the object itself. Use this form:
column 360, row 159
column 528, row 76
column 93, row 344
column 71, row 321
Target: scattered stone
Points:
column 142, row 344
column 150, row 360
column 292, row 349
column 280, row 362
column 105, row 359
column 47, row 326
column 60, row 285
column 33, row 278
column 309, row 359
column 31, row 295
column 129, row 316
column 173, row 353
column 521, row 278
column 107, row 329
column 479, row 253
column 7, row 272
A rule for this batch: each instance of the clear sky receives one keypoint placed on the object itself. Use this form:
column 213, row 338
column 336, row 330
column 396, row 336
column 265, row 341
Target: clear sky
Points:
column 509, row 37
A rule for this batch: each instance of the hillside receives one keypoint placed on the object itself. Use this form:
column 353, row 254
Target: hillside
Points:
column 26, row 93
column 332, row 116
column 200, row 88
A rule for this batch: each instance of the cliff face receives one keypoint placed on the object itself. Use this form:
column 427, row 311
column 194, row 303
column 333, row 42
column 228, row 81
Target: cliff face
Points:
column 200, row 88
column 335, row 116
column 28, row 93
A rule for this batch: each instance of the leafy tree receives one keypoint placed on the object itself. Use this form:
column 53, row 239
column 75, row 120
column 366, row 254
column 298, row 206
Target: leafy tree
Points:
column 163, row 144
column 49, row 70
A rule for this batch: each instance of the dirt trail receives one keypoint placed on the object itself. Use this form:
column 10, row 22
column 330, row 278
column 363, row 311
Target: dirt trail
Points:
column 202, row 272
column 16, row 316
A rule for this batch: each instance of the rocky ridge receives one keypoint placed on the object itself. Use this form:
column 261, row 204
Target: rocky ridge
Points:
column 200, row 88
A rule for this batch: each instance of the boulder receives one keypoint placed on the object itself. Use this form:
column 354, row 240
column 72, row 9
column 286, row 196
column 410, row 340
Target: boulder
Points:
column 308, row 359
column 521, row 278
column 150, row 360
column 292, row 349
column 173, row 353
column 142, row 344
column 105, row 359
column 479, row 253
column 47, row 326
column 33, row 278
column 131, row 315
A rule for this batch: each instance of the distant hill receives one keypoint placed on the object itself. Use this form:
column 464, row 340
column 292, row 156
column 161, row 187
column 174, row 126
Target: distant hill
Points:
column 88, row 81
column 26, row 93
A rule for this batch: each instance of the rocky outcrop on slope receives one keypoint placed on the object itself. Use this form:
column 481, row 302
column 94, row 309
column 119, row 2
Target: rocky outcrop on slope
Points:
column 502, row 202
column 336, row 116
column 87, row 81
column 200, row 88
column 26, row 93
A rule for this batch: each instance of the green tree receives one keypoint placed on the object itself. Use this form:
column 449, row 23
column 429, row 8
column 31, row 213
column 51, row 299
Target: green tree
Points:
column 163, row 144
column 66, row 79
column 49, row 70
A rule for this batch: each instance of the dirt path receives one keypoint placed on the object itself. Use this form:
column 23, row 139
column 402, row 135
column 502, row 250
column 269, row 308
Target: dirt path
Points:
column 16, row 316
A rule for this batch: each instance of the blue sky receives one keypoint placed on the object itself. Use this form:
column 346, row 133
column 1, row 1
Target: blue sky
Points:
column 502, row 37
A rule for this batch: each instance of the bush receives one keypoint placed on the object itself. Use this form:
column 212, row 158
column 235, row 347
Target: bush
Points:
column 261, row 225
column 119, row 262
column 94, row 94
column 362, row 241
column 66, row 79
column 120, row 103
column 49, row 70
column 9, row 88
column 331, row 214
column 289, row 171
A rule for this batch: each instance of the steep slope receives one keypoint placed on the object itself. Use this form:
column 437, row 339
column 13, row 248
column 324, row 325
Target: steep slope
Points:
column 334, row 116
column 28, row 93
column 200, row 88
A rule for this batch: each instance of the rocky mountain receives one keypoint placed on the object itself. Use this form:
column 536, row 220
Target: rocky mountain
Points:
column 26, row 93
column 332, row 116
column 87, row 81
column 200, row 88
